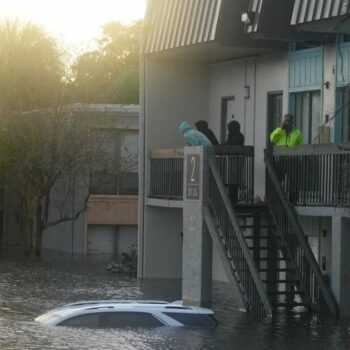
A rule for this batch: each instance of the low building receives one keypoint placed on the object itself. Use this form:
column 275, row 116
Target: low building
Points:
column 109, row 224
column 251, row 62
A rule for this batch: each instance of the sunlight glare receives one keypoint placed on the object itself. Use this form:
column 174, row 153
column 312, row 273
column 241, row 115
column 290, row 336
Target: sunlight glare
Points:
column 75, row 22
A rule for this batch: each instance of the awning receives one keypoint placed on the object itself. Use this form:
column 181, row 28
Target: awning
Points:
column 177, row 23
column 326, row 16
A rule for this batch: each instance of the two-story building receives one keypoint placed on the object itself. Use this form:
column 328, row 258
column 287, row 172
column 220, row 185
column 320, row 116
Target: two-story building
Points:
column 109, row 224
column 223, row 60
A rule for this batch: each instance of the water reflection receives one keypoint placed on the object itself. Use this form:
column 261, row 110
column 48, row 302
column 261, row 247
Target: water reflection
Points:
column 29, row 287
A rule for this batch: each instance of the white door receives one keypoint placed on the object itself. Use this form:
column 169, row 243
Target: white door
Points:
column 229, row 112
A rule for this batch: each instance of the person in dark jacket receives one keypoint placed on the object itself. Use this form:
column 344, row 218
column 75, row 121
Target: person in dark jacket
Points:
column 202, row 126
column 234, row 137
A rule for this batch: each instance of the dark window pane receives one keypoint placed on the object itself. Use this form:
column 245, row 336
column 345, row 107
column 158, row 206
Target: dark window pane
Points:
column 129, row 319
column 308, row 115
column 86, row 321
column 129, row 184
column 192, row 319
column 103, row 183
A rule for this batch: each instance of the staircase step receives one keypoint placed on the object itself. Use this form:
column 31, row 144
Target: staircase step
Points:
column 289, row 304
column 285, row 292
column 281, row 281
column 252, row 226
column 265, row 248
column 272, row 259
column 277, row 270
column 261, row 237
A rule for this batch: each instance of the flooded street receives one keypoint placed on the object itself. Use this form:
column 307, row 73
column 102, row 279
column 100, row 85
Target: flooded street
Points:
column 29, row 287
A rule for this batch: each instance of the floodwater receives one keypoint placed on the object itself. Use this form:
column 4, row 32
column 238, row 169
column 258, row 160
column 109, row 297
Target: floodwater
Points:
column 29, row 287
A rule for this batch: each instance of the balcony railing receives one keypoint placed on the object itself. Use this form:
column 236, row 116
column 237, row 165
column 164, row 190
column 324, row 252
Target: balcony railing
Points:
column 235, row 163
column 236, row 166
column 314, row 175
column 166, row 174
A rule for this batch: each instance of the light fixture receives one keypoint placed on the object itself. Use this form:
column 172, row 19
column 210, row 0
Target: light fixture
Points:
column 247, row 17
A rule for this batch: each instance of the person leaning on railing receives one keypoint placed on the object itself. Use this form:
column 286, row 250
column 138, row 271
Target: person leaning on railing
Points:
column 192, row 136
column 288, row 136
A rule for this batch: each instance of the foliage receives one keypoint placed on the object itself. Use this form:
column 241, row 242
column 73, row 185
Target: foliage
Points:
column 110, row 74
column 43, row 150
column 37, row 150
column 30, row 67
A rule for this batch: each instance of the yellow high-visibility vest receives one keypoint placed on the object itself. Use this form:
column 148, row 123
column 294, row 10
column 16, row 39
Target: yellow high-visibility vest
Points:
column 280, row 138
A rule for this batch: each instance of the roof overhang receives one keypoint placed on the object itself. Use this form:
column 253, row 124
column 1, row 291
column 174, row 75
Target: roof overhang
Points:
column 202, row 30
column 271, row 20
column 326, row 16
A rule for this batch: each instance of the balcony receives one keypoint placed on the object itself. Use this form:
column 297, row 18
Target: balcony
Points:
column 310, row 175
column 235, row 163
column 315, row 175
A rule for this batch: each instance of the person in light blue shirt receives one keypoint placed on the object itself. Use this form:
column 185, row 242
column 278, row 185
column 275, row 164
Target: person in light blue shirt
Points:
column 193, row 136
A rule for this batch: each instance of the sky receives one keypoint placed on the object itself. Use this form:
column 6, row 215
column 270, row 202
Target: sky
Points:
column 74, row 22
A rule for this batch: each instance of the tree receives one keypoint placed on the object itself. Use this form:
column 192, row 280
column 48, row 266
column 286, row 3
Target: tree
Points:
column 110, row 74
column 37, row 151
column 31, row 68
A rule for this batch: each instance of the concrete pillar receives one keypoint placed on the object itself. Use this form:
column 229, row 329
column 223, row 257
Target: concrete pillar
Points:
column 340, row 278
column 197, row 244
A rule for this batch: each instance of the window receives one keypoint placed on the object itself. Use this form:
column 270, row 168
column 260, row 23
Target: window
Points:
column 308, row 115
column 129, row 319
column 115, row 167
column 84, row 321
column 188, row 319
column 113, row 320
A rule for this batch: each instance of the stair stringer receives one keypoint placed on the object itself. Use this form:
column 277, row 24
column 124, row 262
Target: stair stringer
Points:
column 226, row 261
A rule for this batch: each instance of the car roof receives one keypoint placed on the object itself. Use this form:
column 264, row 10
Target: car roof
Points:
column 127, row 305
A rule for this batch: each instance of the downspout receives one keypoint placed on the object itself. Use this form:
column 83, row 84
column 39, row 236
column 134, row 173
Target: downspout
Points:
column 254, row 103
column 142, row 168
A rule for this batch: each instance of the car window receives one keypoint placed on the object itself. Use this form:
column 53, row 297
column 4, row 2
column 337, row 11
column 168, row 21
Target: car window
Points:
column 188, row 319
column 113, row 320
column 129, row 319
column 86, row 321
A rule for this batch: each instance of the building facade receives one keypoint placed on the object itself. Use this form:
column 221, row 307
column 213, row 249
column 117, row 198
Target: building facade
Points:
column 228, row 60
column 109, row 188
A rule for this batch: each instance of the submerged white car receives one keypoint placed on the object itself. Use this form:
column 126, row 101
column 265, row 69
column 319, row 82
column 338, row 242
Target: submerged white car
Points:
column 125, row 313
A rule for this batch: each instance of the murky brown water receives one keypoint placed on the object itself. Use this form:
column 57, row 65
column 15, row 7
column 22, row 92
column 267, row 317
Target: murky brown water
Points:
column 29, row 288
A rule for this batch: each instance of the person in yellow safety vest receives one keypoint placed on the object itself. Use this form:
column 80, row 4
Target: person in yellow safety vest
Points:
column 287, row 135
column 288, row 168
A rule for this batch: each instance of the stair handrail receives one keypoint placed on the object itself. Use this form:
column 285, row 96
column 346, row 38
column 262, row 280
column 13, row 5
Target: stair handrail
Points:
column 292, row 217
column 243, row 245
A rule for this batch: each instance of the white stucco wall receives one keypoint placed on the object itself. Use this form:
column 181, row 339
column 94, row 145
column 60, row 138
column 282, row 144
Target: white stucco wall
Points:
column 175, row 91
column 264, row 74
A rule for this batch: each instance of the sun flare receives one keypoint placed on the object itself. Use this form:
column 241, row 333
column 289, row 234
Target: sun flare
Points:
column 75, row 22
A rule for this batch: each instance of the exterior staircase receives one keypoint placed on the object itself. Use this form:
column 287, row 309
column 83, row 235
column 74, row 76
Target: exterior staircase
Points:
column 275, row 267
column 265, row 250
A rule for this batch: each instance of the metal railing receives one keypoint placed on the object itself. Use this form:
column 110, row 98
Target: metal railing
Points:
column 251, row 286
column 315, row 175
column 318, row 294
column 235, row 164
column 166, row 174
